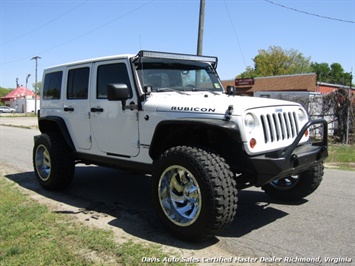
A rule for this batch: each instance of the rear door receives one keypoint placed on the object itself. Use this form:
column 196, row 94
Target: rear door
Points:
column 76, row 105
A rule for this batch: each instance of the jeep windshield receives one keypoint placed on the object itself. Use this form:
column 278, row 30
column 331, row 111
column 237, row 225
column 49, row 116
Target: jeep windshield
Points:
column 178, row 76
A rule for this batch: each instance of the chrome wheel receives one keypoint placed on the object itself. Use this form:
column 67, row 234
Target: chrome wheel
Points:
column 179, row 195
column 43, row 162
column 194, row 192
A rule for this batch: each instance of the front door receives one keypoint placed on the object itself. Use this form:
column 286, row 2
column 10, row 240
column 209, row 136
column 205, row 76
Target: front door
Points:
column 114, row 130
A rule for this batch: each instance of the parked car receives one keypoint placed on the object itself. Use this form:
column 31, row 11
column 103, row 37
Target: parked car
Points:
column 6, row 109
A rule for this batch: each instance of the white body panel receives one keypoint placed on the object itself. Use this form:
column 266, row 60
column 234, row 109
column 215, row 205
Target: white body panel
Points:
column 114, row 131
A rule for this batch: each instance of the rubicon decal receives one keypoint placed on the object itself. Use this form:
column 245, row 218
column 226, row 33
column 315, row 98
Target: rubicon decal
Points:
column 193, row 109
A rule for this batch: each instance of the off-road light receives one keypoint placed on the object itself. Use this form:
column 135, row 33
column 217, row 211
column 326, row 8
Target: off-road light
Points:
column 163, row 55
column 249, row 122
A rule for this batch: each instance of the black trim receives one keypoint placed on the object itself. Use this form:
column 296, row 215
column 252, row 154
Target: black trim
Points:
column 159, row 134
column 141, row 97
column 113, row 162
column 44, row 124
column 117, row 155
column 225, row 125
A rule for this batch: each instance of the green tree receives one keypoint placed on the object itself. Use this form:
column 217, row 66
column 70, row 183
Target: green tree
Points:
column 4, row 92
column 322, row 70
column 277, row 61
column 248, row 73
column 37, row 87
column 331, row 74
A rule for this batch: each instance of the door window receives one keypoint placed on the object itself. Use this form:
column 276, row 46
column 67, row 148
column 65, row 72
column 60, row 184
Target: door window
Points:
column 52, row 85
column 112, row 73
column 78, row 83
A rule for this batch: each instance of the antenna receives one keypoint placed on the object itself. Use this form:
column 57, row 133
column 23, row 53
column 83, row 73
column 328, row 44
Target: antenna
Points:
column 140, row 42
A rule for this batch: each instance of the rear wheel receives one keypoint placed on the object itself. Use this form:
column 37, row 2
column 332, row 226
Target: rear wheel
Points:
column 194, row 193
column 297, row 186
column 54, row 167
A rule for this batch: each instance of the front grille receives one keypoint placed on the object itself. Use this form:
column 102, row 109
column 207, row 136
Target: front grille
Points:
column 279, row 126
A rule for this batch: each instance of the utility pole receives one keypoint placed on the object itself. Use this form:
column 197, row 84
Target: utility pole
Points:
column 201, row 27
column 348, row 114
column 25, row 111
column 36, row 58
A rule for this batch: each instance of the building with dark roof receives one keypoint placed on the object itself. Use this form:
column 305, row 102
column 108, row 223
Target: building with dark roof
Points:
column 283, row 83
column 300, row 82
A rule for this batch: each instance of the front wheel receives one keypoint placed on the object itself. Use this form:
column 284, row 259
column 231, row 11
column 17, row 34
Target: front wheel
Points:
column 296, row 187
column 194, row 193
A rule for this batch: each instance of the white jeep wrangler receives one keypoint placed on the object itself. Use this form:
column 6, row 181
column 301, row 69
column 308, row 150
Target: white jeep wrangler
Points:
column 168, row 115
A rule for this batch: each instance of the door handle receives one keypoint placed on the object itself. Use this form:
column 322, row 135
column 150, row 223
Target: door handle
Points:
column 68, row 109
column 96, row 109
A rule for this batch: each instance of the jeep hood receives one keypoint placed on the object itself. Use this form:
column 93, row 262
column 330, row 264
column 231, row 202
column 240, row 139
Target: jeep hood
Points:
column 206, row 102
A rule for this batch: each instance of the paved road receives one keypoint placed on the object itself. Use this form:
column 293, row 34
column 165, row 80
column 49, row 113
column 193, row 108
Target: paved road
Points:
column 318, row 229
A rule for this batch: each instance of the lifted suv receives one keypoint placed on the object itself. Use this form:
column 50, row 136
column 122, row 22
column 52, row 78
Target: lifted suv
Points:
column 168, row 115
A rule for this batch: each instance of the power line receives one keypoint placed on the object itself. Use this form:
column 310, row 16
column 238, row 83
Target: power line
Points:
column 45, row 24
column 308, row 13
column 84, row 34
column 235, row 32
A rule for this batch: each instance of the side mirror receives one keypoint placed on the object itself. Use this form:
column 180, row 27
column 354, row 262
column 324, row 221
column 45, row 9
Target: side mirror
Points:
column 118, row 92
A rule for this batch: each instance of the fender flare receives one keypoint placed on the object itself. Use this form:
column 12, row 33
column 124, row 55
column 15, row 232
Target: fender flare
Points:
column 228, row 127
column 55, row 123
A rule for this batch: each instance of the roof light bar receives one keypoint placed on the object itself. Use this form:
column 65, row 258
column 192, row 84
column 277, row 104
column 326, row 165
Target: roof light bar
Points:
column 164, row 55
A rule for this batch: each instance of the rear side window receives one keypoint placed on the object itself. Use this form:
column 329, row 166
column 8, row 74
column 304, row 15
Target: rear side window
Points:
column 112, row 73
column 52, row 86
column 78, row 83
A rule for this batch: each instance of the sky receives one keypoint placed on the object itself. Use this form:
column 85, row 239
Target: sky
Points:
column 62, row 31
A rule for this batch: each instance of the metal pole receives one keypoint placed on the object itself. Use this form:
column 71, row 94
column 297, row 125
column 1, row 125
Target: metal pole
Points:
column 28, row 75
column 201, row 27
column 200, row 39
column 348, row 114
column 36, row 58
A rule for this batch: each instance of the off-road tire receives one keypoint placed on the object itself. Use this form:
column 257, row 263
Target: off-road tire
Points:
column 53, row 164
column 296, row 187
column 213, row 192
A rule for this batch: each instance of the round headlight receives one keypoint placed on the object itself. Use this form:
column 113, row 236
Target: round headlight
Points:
column 249, row 122
column 302, row 116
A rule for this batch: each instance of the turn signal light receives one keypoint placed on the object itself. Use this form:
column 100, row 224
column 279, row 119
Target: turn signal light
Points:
column 306, row 133
column 252, row 143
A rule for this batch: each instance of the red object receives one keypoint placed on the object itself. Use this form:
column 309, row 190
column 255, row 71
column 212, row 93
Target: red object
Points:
column 244, row 82
column 18, row 93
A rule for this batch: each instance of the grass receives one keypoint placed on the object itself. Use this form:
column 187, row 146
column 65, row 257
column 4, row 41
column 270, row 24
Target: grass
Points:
column 18, row 115
column 341, row 156
column 30, row 234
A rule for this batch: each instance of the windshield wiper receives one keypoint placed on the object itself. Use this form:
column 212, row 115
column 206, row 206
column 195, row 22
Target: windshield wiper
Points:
column 204, row 89
column 168, row 90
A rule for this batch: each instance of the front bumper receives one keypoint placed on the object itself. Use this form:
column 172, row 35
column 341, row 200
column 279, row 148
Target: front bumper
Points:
column 293, row 159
